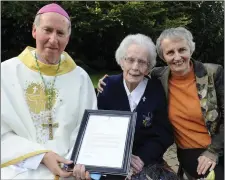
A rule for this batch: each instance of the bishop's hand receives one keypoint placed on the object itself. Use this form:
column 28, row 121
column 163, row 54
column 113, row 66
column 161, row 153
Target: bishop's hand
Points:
column 52, row 160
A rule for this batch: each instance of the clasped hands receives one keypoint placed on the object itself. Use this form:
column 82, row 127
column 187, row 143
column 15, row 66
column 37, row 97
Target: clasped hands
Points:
column 52, row 161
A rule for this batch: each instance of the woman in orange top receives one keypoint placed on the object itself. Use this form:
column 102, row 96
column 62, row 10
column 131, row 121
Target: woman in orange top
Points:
column 195, row 93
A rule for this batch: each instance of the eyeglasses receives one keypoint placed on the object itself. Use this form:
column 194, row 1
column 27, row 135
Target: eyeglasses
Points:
column 141, row 63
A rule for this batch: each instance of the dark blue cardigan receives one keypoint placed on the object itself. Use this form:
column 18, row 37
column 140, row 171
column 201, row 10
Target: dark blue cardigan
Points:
column 153, row 133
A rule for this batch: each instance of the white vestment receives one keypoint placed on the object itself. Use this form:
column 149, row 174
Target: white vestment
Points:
column 23, row 111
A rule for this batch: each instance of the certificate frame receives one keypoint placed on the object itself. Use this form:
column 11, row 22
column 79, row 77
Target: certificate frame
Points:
column 125, row 166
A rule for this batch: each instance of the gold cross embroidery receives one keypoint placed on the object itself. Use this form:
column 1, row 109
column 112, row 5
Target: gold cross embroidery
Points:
column 50, row 125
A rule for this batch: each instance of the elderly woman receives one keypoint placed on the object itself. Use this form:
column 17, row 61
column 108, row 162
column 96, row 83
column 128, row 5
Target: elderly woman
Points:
column 134, row 91
column 195, row 94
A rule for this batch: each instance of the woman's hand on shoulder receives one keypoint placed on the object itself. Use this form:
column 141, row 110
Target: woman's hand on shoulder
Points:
column 101, row 83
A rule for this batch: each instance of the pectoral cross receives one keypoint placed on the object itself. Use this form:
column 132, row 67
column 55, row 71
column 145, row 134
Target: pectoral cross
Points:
column 50, row 125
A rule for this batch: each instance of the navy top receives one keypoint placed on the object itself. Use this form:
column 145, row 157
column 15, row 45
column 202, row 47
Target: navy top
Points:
column 153, row 132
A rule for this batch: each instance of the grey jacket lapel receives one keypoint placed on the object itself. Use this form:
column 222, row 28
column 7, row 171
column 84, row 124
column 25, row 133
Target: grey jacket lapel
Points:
column 164, row 80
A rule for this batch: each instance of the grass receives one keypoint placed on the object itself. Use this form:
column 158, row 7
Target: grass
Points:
column 97, row 76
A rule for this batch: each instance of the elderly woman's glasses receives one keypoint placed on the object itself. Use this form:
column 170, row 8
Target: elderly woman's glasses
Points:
column 141, row 63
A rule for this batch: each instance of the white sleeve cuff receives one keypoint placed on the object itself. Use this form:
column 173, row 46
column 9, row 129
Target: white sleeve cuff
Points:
column 32, row 162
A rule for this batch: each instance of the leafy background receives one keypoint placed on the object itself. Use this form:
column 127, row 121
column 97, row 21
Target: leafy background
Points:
column 99, row 26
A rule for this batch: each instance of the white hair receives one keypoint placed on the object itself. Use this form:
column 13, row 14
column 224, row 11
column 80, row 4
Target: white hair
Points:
column 138, row 39
column 36, row 22
column 179, row 33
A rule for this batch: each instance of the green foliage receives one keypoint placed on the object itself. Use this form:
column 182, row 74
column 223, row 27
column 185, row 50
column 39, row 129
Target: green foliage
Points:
column 208, row 30
column 99, row 26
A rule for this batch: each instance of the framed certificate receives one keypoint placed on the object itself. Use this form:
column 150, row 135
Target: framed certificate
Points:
column 104, row 142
